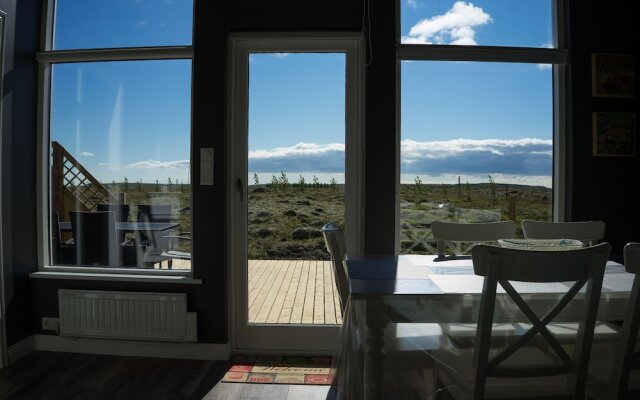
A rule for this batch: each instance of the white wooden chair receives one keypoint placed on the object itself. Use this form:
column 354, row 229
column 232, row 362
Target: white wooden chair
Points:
column 616, row 366
column 589, row 232
column 455, row 235
column 516, row 367
column 334, row 240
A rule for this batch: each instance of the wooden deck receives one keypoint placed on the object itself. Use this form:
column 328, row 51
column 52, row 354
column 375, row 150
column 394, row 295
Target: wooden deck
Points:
column 293, row 292
column 289, row 292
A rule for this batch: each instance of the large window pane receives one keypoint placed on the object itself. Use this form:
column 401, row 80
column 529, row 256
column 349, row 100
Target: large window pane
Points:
column 476, row 145
column 120, row 134
column 90, row 24
column 522, row 23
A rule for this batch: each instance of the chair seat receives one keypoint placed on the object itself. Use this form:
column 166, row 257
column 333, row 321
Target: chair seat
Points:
column 182, row 255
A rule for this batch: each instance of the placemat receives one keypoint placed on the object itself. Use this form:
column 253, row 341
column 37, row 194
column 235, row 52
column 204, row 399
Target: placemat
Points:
column 300, row 370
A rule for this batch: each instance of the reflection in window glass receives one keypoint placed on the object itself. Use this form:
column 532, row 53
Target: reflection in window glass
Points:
column 522, row 23
column 89, row 24
column 120, row 134
column 476, row 145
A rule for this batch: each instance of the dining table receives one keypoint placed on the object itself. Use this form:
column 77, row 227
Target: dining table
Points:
column 442, row 290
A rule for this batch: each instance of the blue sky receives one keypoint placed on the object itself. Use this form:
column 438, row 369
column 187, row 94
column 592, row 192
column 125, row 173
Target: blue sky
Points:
column 133, row 118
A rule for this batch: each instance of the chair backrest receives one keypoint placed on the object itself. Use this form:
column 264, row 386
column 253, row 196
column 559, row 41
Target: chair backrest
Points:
column 121, row 211
column 154, row 213
column 95, row 238
column 452, row 234
column 589, row 232
column 334, row 240
column 626, row 355
column 501, row 265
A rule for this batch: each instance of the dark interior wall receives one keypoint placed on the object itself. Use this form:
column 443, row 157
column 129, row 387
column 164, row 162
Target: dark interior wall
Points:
column 598, row 189
column 19, row 104
column 213, row 21
column 601, row 186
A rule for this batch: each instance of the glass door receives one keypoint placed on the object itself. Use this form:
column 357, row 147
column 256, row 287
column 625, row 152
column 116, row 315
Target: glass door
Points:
column 294, row 133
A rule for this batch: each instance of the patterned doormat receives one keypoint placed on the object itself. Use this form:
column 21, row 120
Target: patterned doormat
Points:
column 301, row 370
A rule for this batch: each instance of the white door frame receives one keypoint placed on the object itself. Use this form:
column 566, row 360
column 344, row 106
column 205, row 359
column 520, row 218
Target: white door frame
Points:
column 3, row 340
column 285, row 338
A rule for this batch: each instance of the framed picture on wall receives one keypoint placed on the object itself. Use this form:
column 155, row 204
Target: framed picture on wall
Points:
column 614, row 134
column 613, row 75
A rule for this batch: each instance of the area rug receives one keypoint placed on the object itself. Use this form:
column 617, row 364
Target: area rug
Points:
column 300, row 370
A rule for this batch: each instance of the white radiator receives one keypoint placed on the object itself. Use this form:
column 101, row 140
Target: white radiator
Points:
column 126, row 315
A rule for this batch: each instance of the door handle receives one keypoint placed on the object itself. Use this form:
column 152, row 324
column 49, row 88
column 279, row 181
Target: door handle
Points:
column 240, row 188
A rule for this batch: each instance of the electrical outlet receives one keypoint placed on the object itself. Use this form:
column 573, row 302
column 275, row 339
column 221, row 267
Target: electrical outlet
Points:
column 49, row 324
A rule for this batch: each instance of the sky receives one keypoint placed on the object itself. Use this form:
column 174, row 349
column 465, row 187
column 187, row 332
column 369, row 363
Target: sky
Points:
column 473, row 119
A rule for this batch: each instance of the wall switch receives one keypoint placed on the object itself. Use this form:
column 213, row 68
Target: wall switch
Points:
column 49, row 324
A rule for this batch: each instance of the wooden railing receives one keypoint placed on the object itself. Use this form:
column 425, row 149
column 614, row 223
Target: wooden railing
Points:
column 74, row 188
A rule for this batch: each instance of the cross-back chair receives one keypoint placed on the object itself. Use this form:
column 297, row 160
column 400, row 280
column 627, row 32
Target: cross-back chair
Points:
column 454, row 235
column 588, row 232
column 617, row 367
column 535, row 353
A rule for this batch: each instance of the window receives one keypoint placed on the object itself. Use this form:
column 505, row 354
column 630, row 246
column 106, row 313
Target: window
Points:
column 480, row 110
column 116, row 130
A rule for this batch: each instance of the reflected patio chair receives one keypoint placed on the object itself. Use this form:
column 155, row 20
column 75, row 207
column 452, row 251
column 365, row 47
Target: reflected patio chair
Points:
column 534, row 363
column 162, row 245
column 96, row 241
column 588, row 232
column 455, row 235
column 122, row 215
column 62, row 250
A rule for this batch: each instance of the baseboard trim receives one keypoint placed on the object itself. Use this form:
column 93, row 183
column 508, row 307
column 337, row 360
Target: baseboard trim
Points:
column 193, row 351
column 21, row 349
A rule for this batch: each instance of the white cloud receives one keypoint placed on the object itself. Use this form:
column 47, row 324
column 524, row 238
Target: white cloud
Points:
column 456, row 26
column 543, row 67
column 413, row 150
column 86, row 154
column 154, row 164
column 280, row 55
column 300, row 149
column 143, row 22
column 528, row 156
column 412, row 3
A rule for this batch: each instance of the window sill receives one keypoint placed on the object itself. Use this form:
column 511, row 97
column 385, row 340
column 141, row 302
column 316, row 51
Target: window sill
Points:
column 96, row 276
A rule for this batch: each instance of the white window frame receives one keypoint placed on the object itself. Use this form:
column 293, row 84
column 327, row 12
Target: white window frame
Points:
column 46, row 58
column 556, row 56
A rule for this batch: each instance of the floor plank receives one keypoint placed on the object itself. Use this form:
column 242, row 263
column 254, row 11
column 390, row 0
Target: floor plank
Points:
column 46, row 375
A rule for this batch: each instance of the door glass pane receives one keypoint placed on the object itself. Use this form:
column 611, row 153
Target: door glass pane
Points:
column 476, row 145
column 522, row 23
column 296, row 165
column 90, row 24
column 120, row 134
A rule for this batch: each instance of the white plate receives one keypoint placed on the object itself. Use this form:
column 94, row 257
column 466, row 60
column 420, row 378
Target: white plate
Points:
column 541, row 244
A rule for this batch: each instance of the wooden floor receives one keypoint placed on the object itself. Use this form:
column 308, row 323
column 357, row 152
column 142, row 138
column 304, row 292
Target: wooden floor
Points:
column 68, row 376
column 289, row 292
column 293, row 292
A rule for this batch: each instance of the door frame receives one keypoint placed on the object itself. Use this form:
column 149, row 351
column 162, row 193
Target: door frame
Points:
column 288, row 338
column 3, row 326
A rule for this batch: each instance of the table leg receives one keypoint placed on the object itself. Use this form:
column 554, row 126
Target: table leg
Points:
column 376, row 321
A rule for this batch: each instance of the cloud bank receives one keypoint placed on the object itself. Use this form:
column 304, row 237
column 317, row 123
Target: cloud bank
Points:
column 456, row 26
column 154, row 164
column 528, row 156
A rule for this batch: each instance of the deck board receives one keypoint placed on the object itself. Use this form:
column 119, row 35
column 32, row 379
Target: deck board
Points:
column 292, row 292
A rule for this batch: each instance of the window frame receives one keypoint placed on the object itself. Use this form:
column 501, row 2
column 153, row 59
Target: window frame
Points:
column 46, row 58
column 557, row 56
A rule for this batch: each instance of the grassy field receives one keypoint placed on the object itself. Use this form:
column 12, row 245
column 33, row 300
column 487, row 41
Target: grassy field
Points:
column 286, row 224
